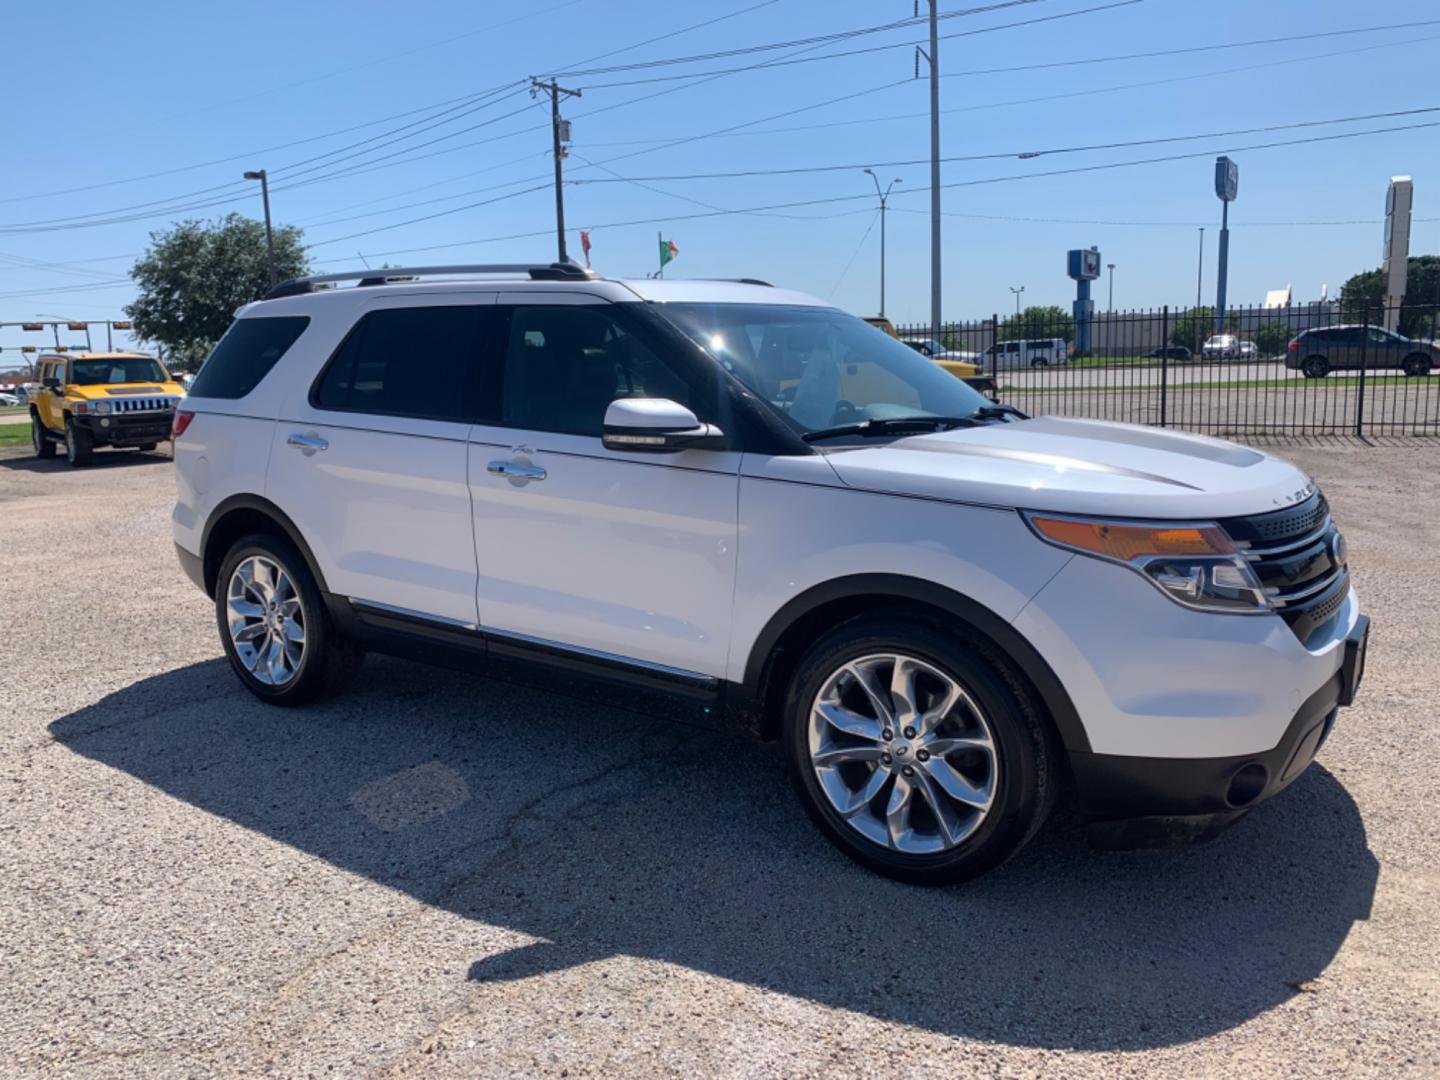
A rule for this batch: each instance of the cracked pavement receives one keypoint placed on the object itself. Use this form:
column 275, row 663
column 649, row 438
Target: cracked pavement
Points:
column 440, row 875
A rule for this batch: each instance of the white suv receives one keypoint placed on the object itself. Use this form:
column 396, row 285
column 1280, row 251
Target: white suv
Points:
column 739, row 506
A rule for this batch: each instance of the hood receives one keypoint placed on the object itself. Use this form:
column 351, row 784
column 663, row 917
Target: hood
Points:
column 106, row 390
column 1078, row 466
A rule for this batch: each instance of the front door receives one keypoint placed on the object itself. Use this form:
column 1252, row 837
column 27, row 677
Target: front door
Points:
column 371, row 467
column 630, row 555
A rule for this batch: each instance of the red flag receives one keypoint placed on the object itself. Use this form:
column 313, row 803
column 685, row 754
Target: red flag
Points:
column 585, row 246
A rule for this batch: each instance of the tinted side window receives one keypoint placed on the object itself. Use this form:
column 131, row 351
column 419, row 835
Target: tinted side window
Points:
column 564, row 365
column 405, row 362
column 246, row 354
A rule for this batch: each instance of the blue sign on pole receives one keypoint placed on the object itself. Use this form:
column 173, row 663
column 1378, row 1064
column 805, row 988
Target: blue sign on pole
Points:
column 1083, row 265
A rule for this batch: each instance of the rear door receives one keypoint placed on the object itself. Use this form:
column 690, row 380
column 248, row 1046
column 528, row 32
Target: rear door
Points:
column 372, row 467
column 621, row 555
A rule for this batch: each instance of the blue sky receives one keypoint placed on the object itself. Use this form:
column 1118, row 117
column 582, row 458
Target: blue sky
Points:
column 101, row 93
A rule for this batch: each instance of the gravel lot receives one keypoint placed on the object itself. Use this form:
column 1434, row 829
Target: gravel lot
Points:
column 441, row 875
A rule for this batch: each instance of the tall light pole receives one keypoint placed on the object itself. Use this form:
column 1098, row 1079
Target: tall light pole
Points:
column 263, row 177
column 1199, row 282
column 933, row 59
column 884, row 195
column 1017, row 290
column 1111, row 268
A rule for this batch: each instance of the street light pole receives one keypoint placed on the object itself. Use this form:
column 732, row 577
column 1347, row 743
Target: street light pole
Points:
column 1111, row 268
column 1199, row 282
column 263, row 177
column 1017, row 291
column 933, row 59
column 884, row 195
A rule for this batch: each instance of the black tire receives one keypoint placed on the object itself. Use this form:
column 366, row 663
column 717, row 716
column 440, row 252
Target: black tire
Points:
column 1416, row 364
column 329, row 660
column 1039, row 362
column 79, row 445
column 43, row 444
column 145, row 448
column 1315, row 367
column 1025, row 781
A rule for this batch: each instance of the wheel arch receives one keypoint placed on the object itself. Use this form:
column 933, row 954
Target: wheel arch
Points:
column 241, row 515
column 804, row 618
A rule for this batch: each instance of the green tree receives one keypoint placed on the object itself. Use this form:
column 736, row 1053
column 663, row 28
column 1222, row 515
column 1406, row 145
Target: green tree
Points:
column 1192, row 327
column 1361, row 297
column 1272, row 335
column 1039, row 322
column 193, row 277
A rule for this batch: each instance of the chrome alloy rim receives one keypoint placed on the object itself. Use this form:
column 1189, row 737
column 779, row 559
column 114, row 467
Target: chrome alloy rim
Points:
column 265, row 620
column 903, row 753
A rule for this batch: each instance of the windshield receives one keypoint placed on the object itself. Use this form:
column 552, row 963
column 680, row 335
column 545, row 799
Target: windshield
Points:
column 819, row 367
column 119, row 369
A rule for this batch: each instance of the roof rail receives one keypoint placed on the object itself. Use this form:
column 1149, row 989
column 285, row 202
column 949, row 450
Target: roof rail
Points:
column 556, row 271
column 737, row 280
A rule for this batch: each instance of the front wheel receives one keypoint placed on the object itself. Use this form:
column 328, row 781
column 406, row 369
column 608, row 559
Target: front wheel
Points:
column 39, row 439
column 914, row 752
column 274, row 627
column 79, row 445
column 1315, row 367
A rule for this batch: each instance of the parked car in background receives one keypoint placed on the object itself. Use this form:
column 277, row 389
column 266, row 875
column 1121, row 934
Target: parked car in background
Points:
column 1247, row 350
column 101, row 399
column 1169, row 352
column 1220, row 347
column 1345, row 348
column 9, row 399
column 936, row 350
column 1030, row 352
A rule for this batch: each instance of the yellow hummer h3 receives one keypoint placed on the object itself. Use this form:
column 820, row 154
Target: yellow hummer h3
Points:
column 91, row 399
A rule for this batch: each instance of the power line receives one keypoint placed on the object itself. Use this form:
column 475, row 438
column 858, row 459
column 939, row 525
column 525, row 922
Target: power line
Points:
column 1021, row 154
column 762, row 65
column 832, row 200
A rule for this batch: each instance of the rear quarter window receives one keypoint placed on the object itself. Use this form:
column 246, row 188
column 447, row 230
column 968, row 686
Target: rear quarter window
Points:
column 245, row 355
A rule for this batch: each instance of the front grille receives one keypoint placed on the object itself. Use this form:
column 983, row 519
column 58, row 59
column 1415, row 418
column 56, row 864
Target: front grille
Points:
column 142, row 404
column 1293, row 553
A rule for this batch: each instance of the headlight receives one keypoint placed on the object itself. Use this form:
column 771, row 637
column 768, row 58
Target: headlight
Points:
column 1195, row 564
column 101, row 406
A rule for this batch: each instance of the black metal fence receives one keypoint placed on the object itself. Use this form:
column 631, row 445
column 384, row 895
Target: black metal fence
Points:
column 1326, row 368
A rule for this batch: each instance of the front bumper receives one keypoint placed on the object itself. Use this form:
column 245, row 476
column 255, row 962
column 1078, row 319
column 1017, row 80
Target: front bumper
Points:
column 133, row 429
column 1134, row 802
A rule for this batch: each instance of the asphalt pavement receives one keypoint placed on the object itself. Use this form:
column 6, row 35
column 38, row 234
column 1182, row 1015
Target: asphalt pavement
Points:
column 440, row 875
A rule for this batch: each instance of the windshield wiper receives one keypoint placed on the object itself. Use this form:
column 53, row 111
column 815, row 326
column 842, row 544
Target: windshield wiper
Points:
column 891, row 424
column 998, row 412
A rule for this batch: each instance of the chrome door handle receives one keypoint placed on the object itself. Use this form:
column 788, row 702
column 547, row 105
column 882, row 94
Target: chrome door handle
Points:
column 514, row 471
column 307, row 443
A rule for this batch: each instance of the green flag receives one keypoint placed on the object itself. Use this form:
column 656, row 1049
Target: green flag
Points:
column 668, row 251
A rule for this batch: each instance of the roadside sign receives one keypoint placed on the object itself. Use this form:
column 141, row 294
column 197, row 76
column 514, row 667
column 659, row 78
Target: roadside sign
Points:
column 1227, row 179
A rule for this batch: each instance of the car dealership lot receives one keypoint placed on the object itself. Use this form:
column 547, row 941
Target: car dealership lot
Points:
column 436, row 873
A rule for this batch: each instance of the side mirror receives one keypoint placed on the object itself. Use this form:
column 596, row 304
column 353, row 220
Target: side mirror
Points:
column 52, row 383
column 657, row 425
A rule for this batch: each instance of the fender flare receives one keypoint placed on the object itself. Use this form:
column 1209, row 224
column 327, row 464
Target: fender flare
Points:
column 1016, row 648
column 274, row 513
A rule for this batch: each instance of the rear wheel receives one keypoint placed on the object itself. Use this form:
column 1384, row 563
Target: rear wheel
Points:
column 1038, row 362
column 1315, row 367
column 1416, row 364
column 79, row 444
column 39, row 439
column 274, row 627
column 914, row 753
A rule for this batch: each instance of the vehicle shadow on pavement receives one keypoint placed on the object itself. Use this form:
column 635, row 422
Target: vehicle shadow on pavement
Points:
column 604, row 832
column 107, row 459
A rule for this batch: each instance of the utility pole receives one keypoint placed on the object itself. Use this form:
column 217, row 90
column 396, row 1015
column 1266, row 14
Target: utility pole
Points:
column 1111, row 268
column 884, row 195
column 559, row 135
column 1017, row 290
column 263, row 177
column 1199, row 283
